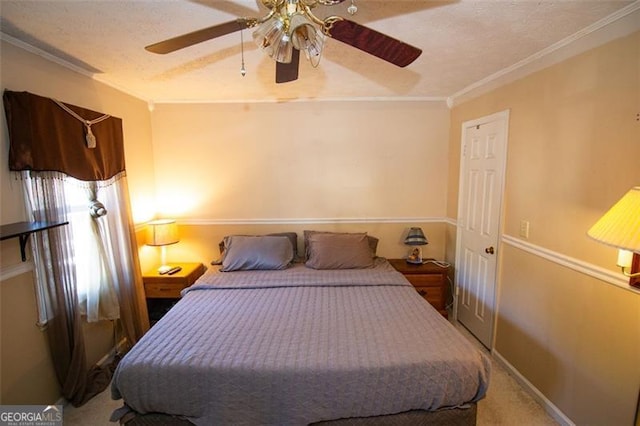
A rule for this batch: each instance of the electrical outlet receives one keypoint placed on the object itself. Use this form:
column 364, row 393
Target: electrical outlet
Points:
column 524, row 229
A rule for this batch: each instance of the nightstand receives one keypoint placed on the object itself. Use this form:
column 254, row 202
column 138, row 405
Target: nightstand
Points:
column 163, row 291
column 429, row 280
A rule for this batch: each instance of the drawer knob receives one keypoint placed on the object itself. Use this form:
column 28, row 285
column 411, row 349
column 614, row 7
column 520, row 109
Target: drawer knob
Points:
column 422, row 293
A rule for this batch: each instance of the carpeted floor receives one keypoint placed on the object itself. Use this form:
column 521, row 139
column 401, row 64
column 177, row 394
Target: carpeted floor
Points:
column 506, row 403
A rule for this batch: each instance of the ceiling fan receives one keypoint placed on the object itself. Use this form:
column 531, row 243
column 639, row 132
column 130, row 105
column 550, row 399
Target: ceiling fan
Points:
column 291, row 26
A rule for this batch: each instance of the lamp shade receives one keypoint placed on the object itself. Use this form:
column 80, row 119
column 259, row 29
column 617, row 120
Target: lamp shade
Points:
column 271, row 37
column 305, row 36
column 416, row 237
column 162, row 232
column 620, row 226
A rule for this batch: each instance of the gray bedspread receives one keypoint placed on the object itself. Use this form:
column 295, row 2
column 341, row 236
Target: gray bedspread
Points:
column 298, row 346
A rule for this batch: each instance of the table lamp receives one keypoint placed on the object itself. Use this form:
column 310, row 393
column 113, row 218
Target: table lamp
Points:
column 415, row 238
column 162, row 233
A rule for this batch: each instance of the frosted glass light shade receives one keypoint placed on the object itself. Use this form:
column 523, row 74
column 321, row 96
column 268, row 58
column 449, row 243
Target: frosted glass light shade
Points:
column 270, row 36
column 620, row 226
column 305, row 36
column 283, row 50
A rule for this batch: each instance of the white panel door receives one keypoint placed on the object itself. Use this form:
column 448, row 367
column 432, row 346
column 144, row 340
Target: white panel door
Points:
column 480, row 204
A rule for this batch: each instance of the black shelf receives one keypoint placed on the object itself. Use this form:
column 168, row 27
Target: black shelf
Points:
column 22, row 230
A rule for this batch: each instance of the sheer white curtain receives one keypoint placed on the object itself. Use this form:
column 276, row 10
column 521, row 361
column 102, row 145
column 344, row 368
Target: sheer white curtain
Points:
column 117, row 255
column 96, row 282
column 89, row 268
column 46, row 200
column 56, row 291
column 93, row 236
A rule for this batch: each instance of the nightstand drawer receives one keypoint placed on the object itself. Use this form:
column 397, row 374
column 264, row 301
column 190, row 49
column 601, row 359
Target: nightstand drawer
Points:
column 160, row 290
column 429, row 280
column 433, row 295
column 166, row 286
column 419, row 280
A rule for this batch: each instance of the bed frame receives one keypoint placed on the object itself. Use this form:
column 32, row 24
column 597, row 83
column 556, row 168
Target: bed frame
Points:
column 452, row 417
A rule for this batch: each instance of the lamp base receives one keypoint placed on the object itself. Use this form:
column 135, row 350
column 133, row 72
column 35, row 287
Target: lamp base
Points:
column 415, row 256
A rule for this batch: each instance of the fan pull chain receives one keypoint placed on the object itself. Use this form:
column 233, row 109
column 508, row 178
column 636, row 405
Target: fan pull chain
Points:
column 316, row 63
column 353, row 8
column 243, row 71
column 89, row 137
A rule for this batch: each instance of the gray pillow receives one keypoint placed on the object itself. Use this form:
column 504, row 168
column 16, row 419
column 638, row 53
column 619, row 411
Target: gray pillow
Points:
column 373, row 241
column 293, row 237
column 244, row 253
column 338, row 251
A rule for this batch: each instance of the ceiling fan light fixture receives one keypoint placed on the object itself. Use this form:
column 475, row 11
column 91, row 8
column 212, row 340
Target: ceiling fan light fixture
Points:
column 305, row 36
column 291, row 26
column 283, row 50
column 314, row 46
column 269, row 35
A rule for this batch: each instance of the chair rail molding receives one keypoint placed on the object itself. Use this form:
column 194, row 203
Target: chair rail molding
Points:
column 308, row 221
column 10, row 271
column 597, row 272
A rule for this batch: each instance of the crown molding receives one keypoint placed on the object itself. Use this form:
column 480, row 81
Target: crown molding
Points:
column 616, row 25
column 152, row 102
column 48, row 56
column 66, row 64
column 436, row 99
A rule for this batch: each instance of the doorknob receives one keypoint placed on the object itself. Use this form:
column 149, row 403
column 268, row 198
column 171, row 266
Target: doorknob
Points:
column 489, row 250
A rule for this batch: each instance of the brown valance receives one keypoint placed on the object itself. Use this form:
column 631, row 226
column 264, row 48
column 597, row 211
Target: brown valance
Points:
column 45, row 137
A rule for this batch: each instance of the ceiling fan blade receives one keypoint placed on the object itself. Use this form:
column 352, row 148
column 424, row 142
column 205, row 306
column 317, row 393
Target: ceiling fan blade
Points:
column 374, row 42
column 195, row 37
column 288, row 72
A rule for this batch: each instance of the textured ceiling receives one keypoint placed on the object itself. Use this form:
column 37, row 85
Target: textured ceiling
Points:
column 463, row 42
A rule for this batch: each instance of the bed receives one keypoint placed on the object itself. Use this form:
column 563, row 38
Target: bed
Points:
column 300, row 345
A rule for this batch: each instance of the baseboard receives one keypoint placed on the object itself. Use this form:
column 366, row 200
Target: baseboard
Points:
column 112, row 353
column 103, row 361
column 548, row 406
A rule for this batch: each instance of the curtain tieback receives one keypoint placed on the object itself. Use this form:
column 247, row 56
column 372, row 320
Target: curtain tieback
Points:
column 89, row 137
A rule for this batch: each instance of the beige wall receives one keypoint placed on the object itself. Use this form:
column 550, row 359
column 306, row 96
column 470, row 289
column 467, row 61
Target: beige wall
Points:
column 26, row 374
column 573, row 150
column 253, row 168
column 301, row 160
